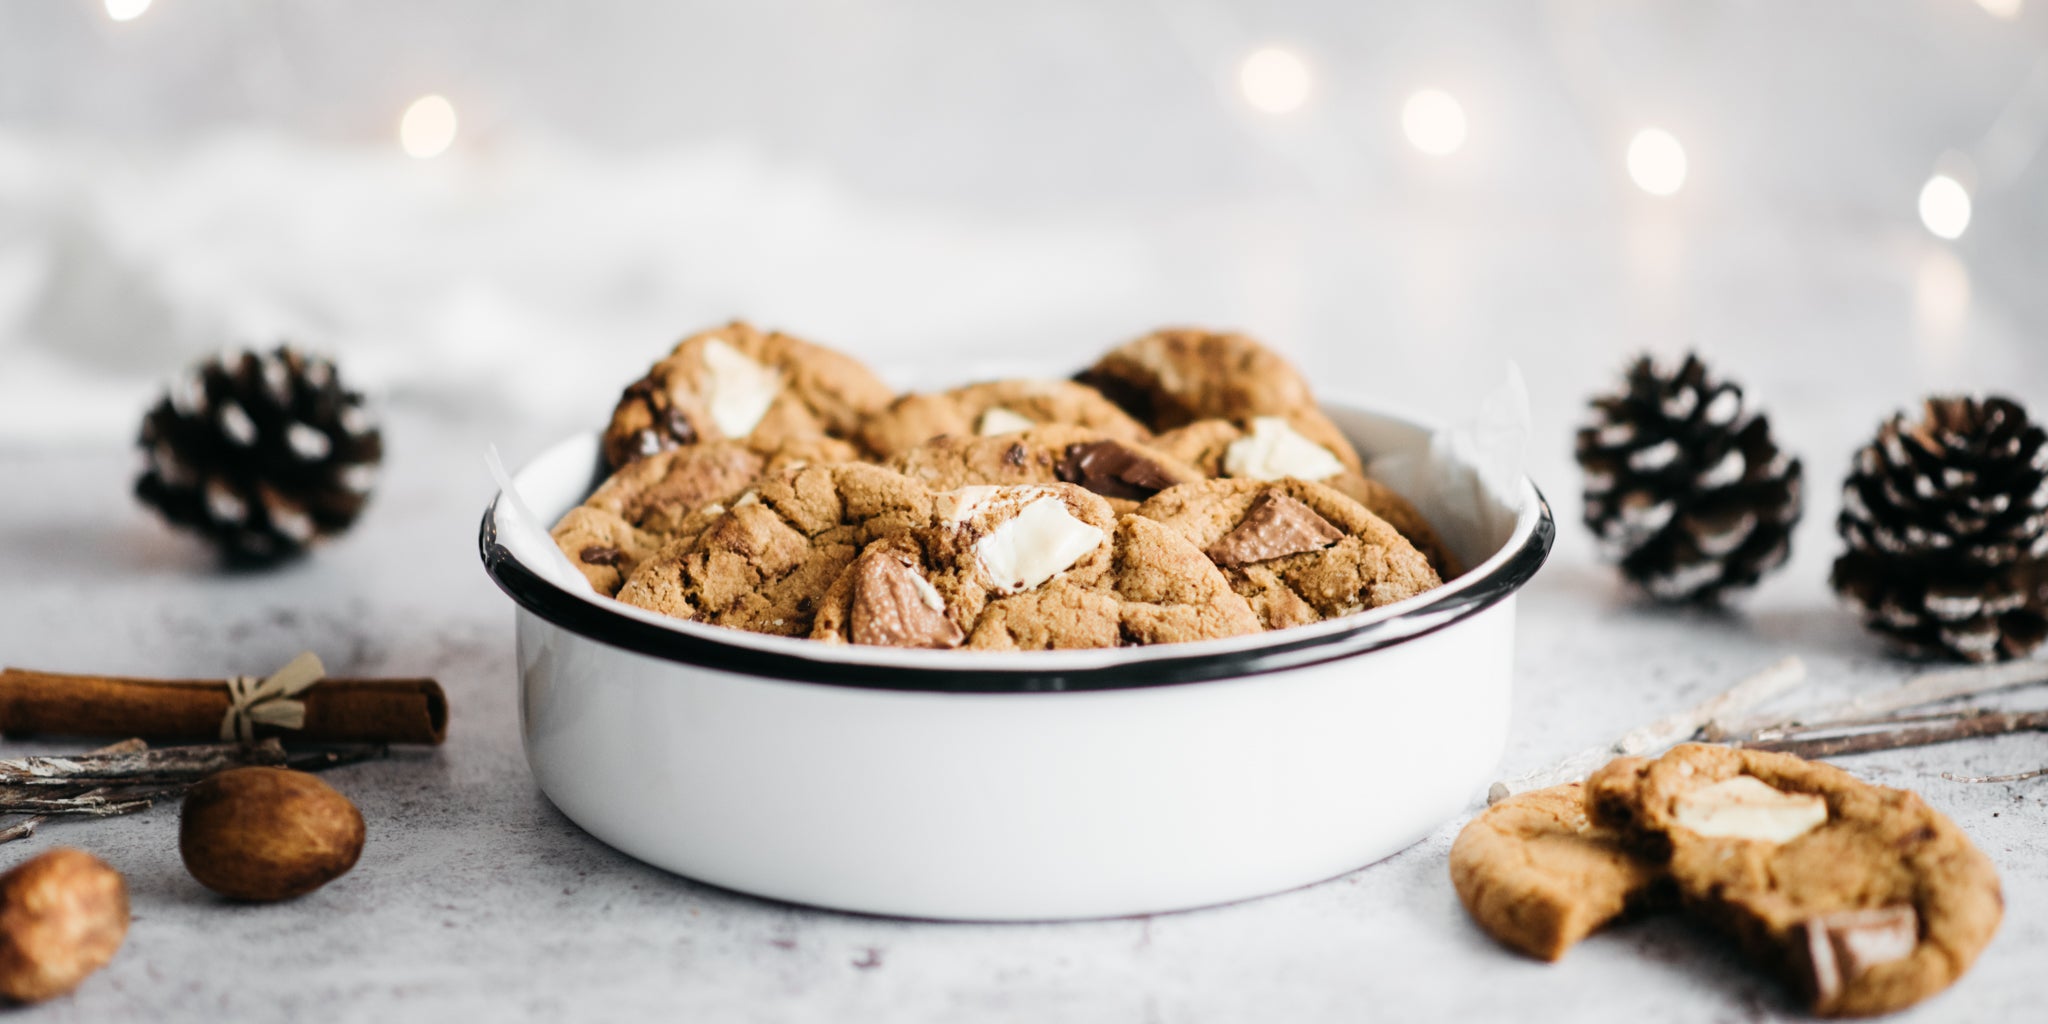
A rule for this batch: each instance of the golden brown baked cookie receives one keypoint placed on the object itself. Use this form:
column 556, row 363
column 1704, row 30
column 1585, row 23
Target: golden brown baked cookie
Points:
column 1124, row 472
column 1865, row 899
column 763, row 562
column 737, row 382
column 1175, row 376
column 604, row 547
column 1298, row 551
column 1271, row 447
column 1030, row 568
column 670, row 496
column 992, row 409
column 1538, row 876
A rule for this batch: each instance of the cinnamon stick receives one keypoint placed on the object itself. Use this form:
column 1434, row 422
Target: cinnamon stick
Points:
column 337, row 710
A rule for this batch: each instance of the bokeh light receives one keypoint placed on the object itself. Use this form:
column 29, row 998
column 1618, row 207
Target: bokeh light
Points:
column 428, row 127
column 1434, row 122
column 2007, row 9
column 1945, row 207
column 1274, row 80
column 1656, row 162
column 126, row 10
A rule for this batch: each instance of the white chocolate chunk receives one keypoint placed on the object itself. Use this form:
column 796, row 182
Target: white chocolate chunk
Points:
column 1746, row 807
column 1034, row 545
column 998, row 420
column 1274, row 450
column 960, row 505
column 740, row 390
column 926, row 592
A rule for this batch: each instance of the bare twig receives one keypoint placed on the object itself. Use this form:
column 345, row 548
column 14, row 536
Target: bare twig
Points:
column 1755, row 690
column 1927, row 688
column 1988, row 723
column 2014, row 777
column 26, row 827
column 165, row 764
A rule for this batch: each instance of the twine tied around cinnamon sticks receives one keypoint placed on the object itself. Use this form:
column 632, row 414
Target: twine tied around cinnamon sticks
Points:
column 299, row 699
column 269, row 701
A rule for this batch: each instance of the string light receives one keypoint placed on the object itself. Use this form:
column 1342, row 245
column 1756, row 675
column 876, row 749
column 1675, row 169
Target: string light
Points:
column 1274, row 80
column 1434, row 122
column 1945, row 207
column 428, row 127
column 1656, row 162
column 126, row 10
column 2006, row 9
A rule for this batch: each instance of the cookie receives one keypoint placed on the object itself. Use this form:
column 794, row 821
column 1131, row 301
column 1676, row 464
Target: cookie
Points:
column 763, row 563
column 1173, row 377
column 1123, row 472
column 1032, row 567
column 603, row 546
column 993, row 409
column 1538, row 876
column 740, row 383
column 658, row 499
column 1865, row 899
column 1272, row 447
column 1298, row 551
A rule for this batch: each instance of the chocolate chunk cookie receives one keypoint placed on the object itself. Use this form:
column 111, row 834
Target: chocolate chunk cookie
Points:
column 1124, row 472
column 1864, row 899
column 993, row 409
column 603, row 546
column 1173, row 377
column 1030, row 568
column 1300, row 552
column 1308, row 448
column 763, row 563
column 1539, row 876
column 739, row 383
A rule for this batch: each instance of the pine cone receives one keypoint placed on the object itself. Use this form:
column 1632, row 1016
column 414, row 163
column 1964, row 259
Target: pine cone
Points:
column 1684, row 487
column 1947, row 525
column 263, row 454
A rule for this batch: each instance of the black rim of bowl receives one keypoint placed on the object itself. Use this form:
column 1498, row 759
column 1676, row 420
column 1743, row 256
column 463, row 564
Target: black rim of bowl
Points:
column 595, row 622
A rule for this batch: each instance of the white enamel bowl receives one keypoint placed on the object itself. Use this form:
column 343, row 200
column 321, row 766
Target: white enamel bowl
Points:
column 1024, row 786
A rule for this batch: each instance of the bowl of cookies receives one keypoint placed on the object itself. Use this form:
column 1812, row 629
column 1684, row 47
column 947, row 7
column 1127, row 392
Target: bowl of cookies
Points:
column 1165, row 633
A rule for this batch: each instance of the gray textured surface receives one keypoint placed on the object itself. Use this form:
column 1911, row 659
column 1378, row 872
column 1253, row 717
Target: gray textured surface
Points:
column 942, row 192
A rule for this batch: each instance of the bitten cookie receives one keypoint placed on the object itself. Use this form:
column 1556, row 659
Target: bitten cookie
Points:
column 1273, row 447
column 1538, row 876
column 1123, row 472
column 994, row 409
column 1865, row 899
column 1173, row 377
column 1298, row 551
column 763, row 563
column 740, row 383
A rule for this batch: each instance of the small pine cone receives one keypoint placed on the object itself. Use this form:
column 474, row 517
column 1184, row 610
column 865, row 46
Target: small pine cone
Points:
column 1946, row 521
column 263, row 454
column 1684, row 487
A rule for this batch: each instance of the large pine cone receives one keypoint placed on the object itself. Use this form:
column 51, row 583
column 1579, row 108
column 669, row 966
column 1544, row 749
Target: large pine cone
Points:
column 1947, row 525
column 1684, row 487
column 263, row 454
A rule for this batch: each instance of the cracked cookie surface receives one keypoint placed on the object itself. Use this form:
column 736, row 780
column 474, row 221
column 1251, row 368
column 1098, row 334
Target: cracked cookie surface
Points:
column 1123, row 472
column 992, row 409
column 1298, row 551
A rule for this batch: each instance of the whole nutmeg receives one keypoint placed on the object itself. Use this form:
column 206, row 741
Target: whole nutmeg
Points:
column 63, row 914
column 267, row 833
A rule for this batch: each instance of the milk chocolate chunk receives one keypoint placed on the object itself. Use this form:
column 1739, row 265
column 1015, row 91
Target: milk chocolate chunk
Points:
column 599, row 554
column 893, row 606
column 1113, row 470
column 1276, row 525
column 1840, row 946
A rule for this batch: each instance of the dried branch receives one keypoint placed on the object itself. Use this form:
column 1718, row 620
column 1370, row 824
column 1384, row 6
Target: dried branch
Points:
column 1927, row 688
column 1760, row 688
column 2014, row 777
column 26, row 827
column 166, row 764
column 1988, row 723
